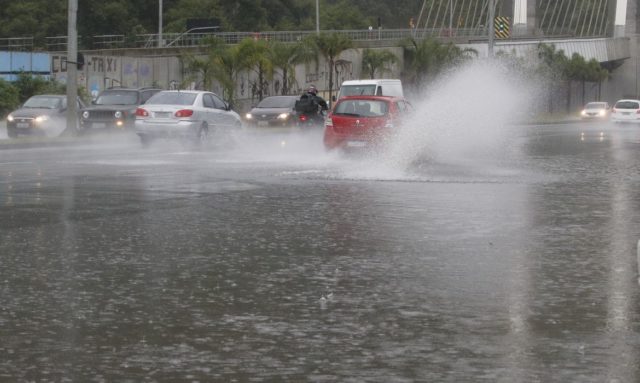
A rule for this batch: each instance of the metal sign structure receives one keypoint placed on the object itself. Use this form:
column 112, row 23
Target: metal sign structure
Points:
column 502, row 27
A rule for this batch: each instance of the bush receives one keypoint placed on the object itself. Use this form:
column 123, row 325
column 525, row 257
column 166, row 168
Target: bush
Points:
column 9, row 99
column 29, row 85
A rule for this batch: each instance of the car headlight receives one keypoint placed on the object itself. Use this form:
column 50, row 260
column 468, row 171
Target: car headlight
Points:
column 9, row 118
column 41, row 119
column 584, row 113
column 248, row 116
column 117, row 114
column 602, row 113
column 85, row 114
column 283, row 116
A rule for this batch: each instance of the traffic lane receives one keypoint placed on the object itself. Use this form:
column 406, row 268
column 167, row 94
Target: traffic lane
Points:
column 152, row 254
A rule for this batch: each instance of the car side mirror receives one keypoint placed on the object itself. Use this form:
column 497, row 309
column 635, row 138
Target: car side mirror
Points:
column 227, row 106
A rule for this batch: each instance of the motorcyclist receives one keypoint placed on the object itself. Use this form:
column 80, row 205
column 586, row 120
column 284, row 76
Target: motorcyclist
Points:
column 321, row 105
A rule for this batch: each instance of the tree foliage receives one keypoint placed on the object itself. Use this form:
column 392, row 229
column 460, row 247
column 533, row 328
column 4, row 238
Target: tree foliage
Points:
column 48, row 18
column 330, row 46
column 377, row 61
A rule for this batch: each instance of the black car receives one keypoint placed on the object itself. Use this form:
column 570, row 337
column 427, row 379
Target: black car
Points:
column 273, row 111
column 114, row 109
column 40, row 115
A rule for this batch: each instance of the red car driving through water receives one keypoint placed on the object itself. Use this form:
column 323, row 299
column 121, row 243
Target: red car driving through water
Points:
column 358, row 122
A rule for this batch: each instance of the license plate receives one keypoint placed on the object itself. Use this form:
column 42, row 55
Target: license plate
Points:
column 99, row 125
column 625, row 114
column 162, row 114
column 22, row 125
column 356, row 144
column 263, row 123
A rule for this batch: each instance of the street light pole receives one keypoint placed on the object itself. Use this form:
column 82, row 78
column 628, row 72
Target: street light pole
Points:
column 72, row 67
column 491, row 26
column 160, row 24
column 318, row 17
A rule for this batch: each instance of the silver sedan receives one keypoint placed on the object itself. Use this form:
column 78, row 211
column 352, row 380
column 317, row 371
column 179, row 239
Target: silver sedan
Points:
column 186, row 114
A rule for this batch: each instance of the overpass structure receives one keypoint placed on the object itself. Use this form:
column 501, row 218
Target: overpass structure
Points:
column 605, row 30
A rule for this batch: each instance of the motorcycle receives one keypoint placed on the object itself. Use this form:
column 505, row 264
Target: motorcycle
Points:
column 310, row 121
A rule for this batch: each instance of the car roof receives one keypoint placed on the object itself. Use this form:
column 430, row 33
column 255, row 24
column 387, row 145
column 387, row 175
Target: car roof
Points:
column 627, row 99
column 379, row 98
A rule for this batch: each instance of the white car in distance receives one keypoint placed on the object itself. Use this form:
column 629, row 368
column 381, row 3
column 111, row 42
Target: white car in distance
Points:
column 185, row 114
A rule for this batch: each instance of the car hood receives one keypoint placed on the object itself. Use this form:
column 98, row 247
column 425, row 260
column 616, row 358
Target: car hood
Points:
column 270, row 111
column 34, row 112
column 110, row 107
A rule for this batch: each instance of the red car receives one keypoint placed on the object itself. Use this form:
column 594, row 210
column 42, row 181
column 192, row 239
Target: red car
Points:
column 358, row 122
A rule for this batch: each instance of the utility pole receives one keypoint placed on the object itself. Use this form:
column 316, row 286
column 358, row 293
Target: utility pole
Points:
column 72, row 68
column 492, row 31
column 160, row 42
column 317, row 17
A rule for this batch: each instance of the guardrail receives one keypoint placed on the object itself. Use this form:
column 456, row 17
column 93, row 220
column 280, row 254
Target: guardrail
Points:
column 187, row 40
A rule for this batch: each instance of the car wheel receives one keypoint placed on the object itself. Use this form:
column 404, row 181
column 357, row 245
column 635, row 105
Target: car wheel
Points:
column 202, row 136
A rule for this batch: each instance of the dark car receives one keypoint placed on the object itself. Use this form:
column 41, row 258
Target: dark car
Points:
column 41, row 115
column 114, row 109
column 273, row 111
column 360, row 122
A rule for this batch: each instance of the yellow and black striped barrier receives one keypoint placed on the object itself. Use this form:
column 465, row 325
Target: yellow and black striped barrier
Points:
column 502, row 27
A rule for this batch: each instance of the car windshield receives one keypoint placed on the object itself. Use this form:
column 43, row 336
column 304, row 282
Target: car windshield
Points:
column 173, row 98
column 596, row 105
column 358, row 90
column 43, row 102
column 627, row 105
column 120, row 97
column 362, row 108
column 277, row 102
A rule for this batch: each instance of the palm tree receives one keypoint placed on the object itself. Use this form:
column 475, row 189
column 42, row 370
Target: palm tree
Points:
column 254, row 55
column 428, row 58
column 224, row 64
column 374, row 60
column 330, row 46
column 286, row 56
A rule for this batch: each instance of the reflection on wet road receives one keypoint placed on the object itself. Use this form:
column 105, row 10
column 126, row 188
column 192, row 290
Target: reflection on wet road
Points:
column 275, row 261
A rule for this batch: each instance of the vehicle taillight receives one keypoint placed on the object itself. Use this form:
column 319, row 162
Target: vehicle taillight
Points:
column 303, row 117
column 142, row 113
column 184, row 113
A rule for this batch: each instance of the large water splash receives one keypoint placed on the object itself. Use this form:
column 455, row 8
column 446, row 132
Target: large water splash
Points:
column 466, row 117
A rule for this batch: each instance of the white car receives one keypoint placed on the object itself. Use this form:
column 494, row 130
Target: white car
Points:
column 596, row 110
column 626, row 110
column 187, row 114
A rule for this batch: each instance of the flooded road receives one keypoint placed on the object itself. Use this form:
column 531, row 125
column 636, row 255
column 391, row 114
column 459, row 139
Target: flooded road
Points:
column 274, row 261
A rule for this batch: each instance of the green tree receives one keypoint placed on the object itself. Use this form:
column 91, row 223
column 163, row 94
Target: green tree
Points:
column 29, row 85
column 9, row 98
column 428, row 58
column 553, row 68
column 255, row 56
column 286, row 56
column 331, row 46
column 377, row 61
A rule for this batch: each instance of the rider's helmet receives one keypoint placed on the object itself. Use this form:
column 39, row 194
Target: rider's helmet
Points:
column 313, row 90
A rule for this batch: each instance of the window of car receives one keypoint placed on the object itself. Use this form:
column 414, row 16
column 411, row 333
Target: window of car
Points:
column 277, row 102
column 118, row 97
column 207, row 101
column 362, row 108
column 44, row 102
column 627, row 105
column 596, row 105
column 219, row 104
column 173, row 98
column 146, row 94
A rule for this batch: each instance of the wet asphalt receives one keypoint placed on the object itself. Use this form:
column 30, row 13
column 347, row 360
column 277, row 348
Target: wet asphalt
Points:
column 507, row 260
